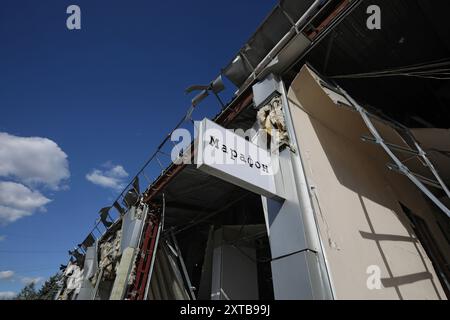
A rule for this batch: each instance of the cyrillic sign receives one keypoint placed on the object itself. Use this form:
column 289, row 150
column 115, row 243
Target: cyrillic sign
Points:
column 230, row 157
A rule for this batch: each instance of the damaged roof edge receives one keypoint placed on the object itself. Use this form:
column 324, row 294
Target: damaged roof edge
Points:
column 224, row 118
column 291, row 10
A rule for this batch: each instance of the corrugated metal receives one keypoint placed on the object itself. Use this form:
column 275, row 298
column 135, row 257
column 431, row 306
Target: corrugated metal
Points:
column 269, row 33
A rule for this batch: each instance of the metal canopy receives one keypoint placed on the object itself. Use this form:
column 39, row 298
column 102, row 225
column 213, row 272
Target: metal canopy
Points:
column 282, row 18
column 193, row 195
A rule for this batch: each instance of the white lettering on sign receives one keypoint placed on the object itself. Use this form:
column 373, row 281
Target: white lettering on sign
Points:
column 230, row 157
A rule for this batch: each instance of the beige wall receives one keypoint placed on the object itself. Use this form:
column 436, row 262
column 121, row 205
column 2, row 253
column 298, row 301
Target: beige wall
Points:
column 356, row 200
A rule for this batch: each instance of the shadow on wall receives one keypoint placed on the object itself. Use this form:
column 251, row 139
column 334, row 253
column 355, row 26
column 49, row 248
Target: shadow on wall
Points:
column 365, row 192
column 396, row 281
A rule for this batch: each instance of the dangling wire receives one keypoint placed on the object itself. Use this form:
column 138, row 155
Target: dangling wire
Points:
column 437, row 69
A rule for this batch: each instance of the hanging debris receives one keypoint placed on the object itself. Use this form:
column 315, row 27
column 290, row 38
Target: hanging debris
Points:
column 109, row 256
column 271, row 119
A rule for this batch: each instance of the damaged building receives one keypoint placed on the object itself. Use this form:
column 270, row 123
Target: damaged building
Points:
column 359, row 207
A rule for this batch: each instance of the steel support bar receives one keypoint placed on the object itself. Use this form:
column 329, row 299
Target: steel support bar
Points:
column 99, row 279
column 183, row 266
column 158, row 235
column 391, row 146
column 365, row 117
column 147, row 251
column 432, row 168
column 421, row 153
column 149, row 259
column 425, row 180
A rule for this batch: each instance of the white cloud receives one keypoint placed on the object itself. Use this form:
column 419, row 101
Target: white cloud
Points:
column 33, row 160
column 17, row 201
column 112, row 177
column 7, row 295
column 2, row 238
column 29, row 280
column 6, row 275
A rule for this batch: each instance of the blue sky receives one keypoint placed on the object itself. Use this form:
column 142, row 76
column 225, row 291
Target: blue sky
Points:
column 94, row 103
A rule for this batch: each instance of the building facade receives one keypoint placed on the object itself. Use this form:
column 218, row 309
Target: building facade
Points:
column 357, row 206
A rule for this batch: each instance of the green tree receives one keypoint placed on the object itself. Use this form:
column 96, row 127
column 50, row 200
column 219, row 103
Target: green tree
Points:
column 50, row 288
column 46, row 292
column 28, row 293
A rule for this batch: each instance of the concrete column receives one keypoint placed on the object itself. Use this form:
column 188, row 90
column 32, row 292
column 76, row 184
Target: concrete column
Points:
column 124, row 269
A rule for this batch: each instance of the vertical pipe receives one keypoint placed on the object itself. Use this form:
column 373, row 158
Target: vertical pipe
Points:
column 304, row 196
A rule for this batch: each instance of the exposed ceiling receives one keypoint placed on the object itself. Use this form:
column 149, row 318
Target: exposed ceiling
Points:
column 193, row 195
column 412, row 32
